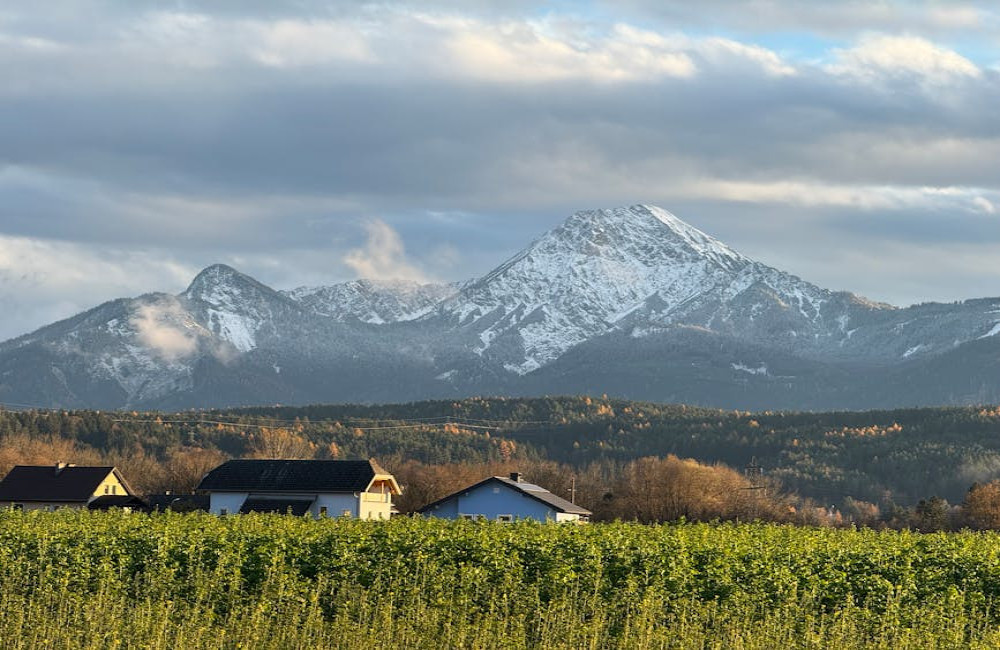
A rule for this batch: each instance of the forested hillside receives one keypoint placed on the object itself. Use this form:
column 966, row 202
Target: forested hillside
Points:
column 898, row 456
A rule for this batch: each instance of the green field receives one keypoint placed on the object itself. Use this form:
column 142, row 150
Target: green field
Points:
column 107, row 580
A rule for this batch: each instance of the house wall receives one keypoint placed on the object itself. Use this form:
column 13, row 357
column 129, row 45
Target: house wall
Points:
column 110, row 485
column 375, row 505
column 366, row 505
column 337, row 505
column 228, row 501
column 446, row 510
column 492, row 500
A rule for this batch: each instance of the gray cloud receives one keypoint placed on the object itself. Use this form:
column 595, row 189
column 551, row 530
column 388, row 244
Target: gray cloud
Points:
column 265, row 134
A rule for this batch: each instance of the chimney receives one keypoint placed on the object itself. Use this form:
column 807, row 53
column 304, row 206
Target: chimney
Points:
column 60, row 466
column 515, row 476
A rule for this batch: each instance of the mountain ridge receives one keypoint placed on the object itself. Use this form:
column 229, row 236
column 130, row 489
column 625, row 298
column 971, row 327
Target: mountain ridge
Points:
column 567, row 313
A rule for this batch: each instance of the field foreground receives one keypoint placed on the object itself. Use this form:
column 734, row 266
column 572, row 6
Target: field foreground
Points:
column 107, row 580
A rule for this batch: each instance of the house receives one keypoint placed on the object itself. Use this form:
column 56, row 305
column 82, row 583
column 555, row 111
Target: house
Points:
column 506, row 499
column 334, row 488
column 47, row 487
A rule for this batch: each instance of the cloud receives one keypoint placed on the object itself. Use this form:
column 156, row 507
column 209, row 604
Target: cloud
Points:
column 532, row 52
column 292, row 43
column 827, row 19
column 43, row 280
column 166, row 328
column 879, row 55
column 254, row 133
column 383, row 257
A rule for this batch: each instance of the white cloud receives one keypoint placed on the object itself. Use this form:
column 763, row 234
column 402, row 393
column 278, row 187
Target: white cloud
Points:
column 291, row 43
column 42, row 281
column 822, row 194
column 526, row 51
column 984, row 205
column 166, row 328
column 383, row 257
column 879, row 56
column 727, row 52
column 441, row 45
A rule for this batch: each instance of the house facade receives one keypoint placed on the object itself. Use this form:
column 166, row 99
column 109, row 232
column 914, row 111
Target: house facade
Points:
column 321, row 488
column 506, row 499
column 47, row 487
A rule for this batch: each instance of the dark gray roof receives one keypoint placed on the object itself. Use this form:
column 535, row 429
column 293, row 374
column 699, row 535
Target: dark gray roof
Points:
column 543, row 495
column 104, row 502
column 178, row 502
column 42, row 483
column 528, row 489
column 294, row 506
column 291, row 476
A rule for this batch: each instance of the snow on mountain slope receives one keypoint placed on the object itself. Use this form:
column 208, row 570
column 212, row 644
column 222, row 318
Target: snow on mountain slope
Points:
column 234, row 306
column 373, row 302
column 630, row 293
column 602, row 269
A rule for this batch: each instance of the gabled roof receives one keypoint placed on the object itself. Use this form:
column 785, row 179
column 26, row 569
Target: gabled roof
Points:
column 296, row 476
column 528, row 489
column 44, row 483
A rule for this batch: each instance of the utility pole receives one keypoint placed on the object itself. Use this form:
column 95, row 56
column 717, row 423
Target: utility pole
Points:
column 755, row 475
column 572, row 490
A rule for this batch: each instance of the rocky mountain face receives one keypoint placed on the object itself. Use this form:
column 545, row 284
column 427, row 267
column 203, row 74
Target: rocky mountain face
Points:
column 373, row 302
column 630, row 301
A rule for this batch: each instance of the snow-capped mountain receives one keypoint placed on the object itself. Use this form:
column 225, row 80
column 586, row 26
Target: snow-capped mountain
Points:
column 235, row 307
column 373, row 302
column 638, row 267
column 629, row 301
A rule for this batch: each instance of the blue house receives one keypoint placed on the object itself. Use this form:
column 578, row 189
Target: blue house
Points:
column 506, row 499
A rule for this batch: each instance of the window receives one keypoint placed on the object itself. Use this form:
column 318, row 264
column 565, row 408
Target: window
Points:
column 107, row 489
column 345, row 513
column 322, row 511
column 496, row 490
column 505, row 518
column 114, row 489
column 223, row 511
column 467, row 517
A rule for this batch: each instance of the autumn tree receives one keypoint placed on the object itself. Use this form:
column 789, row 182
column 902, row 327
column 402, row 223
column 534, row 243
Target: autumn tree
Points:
column 981, row 508
column 280, row 442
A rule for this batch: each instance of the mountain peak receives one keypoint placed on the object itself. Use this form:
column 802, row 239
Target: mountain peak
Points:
column 218, row 277
column 646, row 233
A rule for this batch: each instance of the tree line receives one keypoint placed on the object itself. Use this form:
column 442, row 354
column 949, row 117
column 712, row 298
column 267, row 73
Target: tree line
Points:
column 897, row 468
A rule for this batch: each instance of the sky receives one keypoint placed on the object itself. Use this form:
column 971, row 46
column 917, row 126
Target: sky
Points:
column 854, row 144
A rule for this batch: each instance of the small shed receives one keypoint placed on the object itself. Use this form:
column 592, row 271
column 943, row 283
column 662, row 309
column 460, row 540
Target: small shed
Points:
column 506, row 499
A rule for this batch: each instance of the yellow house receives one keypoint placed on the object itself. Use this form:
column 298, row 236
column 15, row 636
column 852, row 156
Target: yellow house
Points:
column 47, row 487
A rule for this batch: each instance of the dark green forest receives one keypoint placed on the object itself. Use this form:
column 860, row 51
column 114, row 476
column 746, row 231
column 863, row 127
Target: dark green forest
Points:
column 898, row 456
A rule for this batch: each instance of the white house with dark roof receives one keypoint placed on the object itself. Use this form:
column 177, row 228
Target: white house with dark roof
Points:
column 321, row 488
column 501, row 498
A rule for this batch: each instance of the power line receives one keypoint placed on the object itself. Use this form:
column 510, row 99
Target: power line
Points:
column 404, row 424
